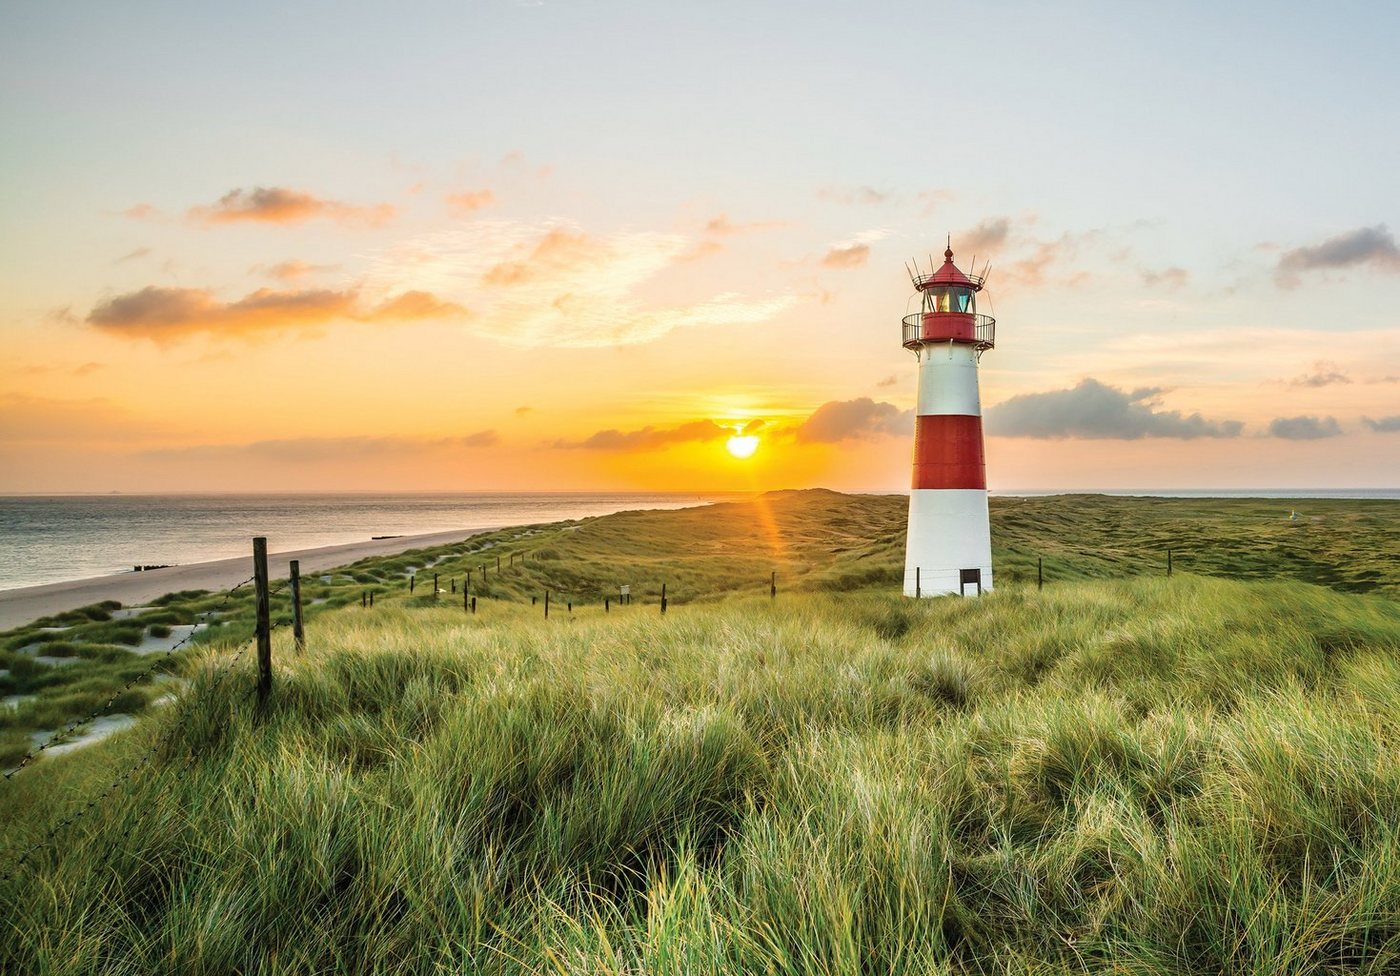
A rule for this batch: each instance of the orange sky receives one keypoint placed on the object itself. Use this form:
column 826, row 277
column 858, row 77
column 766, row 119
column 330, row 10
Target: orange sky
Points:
column 411, row 277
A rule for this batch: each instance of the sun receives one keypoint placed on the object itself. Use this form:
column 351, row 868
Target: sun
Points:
column 742, row 445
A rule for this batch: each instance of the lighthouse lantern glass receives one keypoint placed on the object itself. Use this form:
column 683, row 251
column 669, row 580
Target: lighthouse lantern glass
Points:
column 951, row 299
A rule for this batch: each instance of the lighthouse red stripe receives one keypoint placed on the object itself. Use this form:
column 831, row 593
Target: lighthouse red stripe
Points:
column 948, row 452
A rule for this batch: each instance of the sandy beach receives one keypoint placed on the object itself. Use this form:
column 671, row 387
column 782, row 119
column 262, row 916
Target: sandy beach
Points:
column 24, row 604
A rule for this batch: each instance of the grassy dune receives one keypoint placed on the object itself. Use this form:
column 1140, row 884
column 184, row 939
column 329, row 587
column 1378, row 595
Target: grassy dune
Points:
column 1141, row 775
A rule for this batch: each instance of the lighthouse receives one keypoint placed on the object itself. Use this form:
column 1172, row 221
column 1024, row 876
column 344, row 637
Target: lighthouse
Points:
column 949, row 546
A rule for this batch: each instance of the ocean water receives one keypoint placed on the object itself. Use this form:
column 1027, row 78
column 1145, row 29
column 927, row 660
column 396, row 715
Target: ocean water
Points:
column 49, row 539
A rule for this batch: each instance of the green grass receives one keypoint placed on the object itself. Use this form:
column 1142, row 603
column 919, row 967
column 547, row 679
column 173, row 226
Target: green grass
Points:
column 1114, row 775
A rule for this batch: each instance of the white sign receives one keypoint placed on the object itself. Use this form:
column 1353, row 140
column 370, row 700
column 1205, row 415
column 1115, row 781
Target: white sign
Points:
column 624, row 591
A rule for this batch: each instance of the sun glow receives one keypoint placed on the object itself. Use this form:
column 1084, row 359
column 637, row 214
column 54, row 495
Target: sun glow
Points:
column 742, row 445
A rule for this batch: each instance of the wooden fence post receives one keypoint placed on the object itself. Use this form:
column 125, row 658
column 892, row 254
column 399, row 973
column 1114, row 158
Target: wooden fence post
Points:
column 498, row 564
column 663, row 597
column 773, row 587
column 371, row 598
column 364, row 599
column 264, row 613
column 1169, row 562
column 1040, row 572
column 607, row 605
column 412, row 579
column 473, row 604
column 298, row 631
column 917, row 584
column 546, row 604
column 435, row 586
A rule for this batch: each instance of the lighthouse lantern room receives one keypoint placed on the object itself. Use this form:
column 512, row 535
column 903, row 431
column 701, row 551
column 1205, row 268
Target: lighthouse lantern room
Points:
column 948, row 549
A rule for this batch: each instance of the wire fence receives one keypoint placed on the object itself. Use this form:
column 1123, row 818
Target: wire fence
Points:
column 59, row 737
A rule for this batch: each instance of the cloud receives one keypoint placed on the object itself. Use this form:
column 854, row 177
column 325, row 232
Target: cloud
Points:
column 522, row 411
column 279, row 205
column 1304, row 428
column 1385, row 425
column 650, row 438
column 141, row 211
column 310, row 450
column 292, row 270
column 859, row 419
column 722, row 226
column 865, row 195
column 1096, row 411
column 850, row 256
column 469, row 201
column 554, row 284
column 1323, row 374
column 986, row 236
column 135, row 255
column 1372, row 246
column 168, row 313
column 888, row 381
column 1170, row 278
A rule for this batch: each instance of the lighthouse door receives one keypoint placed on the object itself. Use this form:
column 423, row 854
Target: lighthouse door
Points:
column 967, row 576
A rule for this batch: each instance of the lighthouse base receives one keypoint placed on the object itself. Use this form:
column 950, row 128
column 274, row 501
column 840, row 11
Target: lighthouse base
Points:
column 948, row 549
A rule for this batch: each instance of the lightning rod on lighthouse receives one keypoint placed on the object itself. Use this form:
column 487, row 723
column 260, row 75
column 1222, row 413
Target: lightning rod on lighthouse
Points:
column 948, row 549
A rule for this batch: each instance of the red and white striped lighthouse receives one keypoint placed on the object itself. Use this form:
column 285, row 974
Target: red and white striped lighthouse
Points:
column 949, row 545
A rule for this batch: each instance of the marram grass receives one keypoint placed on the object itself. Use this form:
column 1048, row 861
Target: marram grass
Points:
column 1151, row 776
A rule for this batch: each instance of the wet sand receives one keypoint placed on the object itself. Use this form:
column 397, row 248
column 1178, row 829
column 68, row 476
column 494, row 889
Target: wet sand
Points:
column 27, row 603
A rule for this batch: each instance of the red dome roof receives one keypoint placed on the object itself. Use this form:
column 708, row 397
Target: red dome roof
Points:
column 948, row 274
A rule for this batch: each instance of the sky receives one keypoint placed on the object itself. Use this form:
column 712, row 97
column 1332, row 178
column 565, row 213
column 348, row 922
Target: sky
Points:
column 579, row 245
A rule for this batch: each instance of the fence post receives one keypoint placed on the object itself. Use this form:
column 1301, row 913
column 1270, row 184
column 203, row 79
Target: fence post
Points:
column 473, row 604
column 371, row 598
column 1169, row 562
column 412, row 579
column 468, row 584
column 435, row 586
column 663, row 597
column 571, row 606
column 264, row 612
column 607, row 605
column 298, row 631
column 1040, row 572
column 773, row 587
column 453, row 582
column 546, row 604
column 917, row 584
column 498, row 564
column 364, row 599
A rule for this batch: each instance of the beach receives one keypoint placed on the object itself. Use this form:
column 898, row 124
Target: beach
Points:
column 25, row 604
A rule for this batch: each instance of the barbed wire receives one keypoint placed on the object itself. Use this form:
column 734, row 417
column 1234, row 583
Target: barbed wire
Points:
column 159, row 659
column 216, row 682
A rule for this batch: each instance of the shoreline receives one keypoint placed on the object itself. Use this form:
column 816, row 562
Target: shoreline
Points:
column 25, row 604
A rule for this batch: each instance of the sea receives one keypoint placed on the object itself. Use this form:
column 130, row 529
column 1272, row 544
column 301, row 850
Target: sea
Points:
column 54, row 538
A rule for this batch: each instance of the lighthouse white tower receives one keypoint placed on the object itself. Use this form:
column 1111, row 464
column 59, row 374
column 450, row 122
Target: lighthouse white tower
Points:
column 949, row 546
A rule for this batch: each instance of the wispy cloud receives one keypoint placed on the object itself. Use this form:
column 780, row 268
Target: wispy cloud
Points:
column 1096, row 411
column 1304, row 428
column 1169, row 278
column 859, row 419
column 169, row 313
column 1322, row 374
column 280, row 205
column 1384, row 425
column 469, row 201
column 650, row 438
column 321, row 449
column 1365, row 246
column 863, row 195
column 555, row 284
column 855, row 252
column 293, row 270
